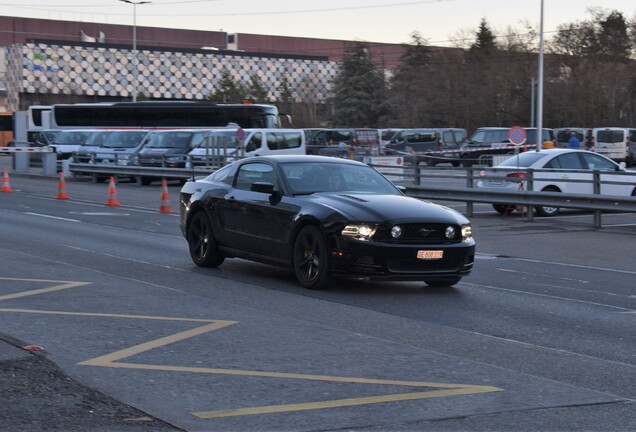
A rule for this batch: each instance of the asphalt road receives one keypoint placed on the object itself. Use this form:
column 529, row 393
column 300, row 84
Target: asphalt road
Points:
column 539, row 337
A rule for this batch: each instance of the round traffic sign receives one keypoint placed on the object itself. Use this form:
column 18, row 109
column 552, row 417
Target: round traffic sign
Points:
column 240, row 134
column 517, row 135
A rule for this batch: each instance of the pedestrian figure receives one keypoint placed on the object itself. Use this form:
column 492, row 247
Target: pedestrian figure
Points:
column 574, row 142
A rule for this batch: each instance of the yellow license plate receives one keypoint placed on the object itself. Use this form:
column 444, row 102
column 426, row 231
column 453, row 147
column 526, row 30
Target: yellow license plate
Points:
column 430, row 254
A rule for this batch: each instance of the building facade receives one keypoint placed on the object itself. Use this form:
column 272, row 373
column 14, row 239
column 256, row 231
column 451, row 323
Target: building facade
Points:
column 47, row 62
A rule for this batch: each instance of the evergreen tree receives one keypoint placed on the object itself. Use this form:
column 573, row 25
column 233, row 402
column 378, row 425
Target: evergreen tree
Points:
column 258, row 92
column 485, row 40
column 228, row 91
column 359, row 90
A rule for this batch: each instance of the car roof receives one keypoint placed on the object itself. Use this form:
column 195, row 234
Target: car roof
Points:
column 303, row 158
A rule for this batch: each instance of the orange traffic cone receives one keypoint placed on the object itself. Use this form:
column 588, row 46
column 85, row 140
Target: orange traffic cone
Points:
column 61, row 194
column 112, row 194
column 165, row 199
column 6, row 187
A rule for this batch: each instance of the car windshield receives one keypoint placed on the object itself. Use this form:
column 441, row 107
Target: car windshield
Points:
column 124, row 139
column 170, row 140
column 217, row 138
column 524, row 160
column 312, row 177
column 96, row 139
column 68, row 137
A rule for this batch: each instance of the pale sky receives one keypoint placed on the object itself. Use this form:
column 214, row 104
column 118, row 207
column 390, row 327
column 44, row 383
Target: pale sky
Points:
column 364, row 20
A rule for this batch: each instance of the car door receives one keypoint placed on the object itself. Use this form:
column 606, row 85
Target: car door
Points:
column 257, row 222
column 566, row 181
column 609, row 175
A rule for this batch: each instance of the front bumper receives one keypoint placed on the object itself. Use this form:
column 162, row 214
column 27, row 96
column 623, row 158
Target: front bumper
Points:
column 375, row 260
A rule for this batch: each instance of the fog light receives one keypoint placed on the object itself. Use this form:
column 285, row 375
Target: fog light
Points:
column 450, row 232
column 396, row 232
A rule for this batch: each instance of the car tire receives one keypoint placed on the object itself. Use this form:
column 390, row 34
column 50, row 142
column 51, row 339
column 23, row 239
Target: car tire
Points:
column 310, row 259
column 446, row 283
column 467, row 161
column 456, row 164
column 547, row 211
column 203, row 248
column 503, row 208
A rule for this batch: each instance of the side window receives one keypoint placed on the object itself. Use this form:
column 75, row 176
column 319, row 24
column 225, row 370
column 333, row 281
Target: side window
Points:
column 501, row 136
column 273, row 141
column 223, row 175
column 632, row 135
column 255, row 172
column 595, row 162
column 255, row 142
column 479, row 137
column 570, row 161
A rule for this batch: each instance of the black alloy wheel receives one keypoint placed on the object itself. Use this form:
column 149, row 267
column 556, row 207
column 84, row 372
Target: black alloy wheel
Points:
column 201, row 243
column 310, row 259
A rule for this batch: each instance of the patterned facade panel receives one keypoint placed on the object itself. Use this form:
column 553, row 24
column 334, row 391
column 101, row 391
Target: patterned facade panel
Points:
column 102, row 71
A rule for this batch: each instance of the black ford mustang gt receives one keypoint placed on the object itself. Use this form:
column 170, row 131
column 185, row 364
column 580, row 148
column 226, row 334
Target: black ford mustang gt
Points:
column 323, row 217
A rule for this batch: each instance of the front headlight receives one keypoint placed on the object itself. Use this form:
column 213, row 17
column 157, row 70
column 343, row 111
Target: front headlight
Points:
column 359, row 232
column 467, row 233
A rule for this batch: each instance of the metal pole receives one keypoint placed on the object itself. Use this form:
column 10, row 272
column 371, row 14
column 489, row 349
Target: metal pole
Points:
column 135, row 59
column 134, row 47
column 540, row 86
column 532, row 112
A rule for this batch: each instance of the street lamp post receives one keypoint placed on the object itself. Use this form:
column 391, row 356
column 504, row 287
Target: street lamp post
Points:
column 135, row 59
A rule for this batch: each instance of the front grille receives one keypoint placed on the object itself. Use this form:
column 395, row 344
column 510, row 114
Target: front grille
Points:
column 420, row 233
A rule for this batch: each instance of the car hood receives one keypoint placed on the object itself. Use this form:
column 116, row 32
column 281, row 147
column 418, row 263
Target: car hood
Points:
column 393, row 208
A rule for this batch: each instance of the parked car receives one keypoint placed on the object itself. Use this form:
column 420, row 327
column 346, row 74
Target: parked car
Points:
column 86, row 152
column 510, row 175
column 489, row 141
column 232, row 144
column 215, row 149
column 430, row 145
column 322, row 217
column 617, row 143
column 118, row 148
column 43, row 138
column 68, row 141
column 584, row 135
column 167, row 148
column 344, row 142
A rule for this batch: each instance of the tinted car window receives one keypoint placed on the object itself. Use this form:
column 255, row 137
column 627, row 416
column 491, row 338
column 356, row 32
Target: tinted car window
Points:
column 567, row 161
column 223, row 175
column 254, row 142
column 283, row 140
column 255, row 172
column 610, row 136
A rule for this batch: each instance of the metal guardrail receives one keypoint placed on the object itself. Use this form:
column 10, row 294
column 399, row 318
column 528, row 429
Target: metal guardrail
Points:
column 526, row 198
column 134, row 171
column 411, row 178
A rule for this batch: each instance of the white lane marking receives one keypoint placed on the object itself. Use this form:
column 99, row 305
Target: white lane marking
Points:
column 52, row 217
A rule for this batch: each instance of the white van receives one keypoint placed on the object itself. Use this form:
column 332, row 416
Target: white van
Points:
column 616, row 143
column 224, row 145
